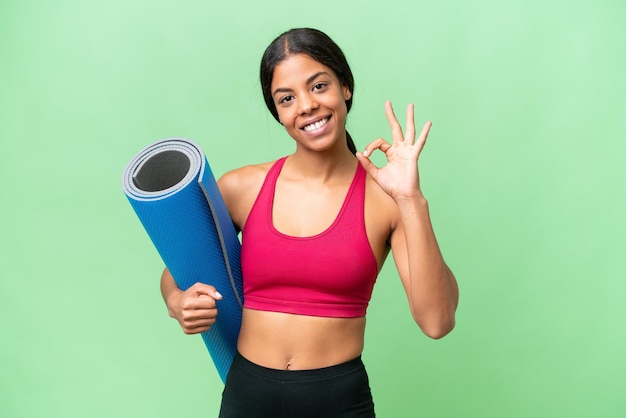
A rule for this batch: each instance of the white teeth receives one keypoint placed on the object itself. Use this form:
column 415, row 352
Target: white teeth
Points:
column 316, row 125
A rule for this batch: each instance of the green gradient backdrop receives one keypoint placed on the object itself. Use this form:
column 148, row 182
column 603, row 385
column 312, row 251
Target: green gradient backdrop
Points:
column 524, row 171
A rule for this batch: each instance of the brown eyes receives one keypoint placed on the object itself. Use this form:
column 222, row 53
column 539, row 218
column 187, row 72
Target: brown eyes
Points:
column 317, row 87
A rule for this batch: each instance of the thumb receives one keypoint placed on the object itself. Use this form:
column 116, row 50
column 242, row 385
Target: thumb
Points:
column 212, row 292
column 369, row 167
column 202, row 289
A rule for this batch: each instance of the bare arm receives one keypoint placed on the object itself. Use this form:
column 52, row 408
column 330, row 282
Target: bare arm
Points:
column 194, row 308
column 431, row 287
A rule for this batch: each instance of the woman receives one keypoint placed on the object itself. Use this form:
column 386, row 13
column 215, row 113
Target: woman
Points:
column 316, row 228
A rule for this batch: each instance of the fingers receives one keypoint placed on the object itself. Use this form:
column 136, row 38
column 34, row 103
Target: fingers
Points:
column 421, row 140
column 410, row 123
column 198, row 308
column 369, row 167
column 409, row 134
column 200, row 289
column 396, row 129
column 378, row 143
column 196, row 321
column 363, row 157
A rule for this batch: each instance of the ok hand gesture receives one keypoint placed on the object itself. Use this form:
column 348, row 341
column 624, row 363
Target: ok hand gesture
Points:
column 399, row 177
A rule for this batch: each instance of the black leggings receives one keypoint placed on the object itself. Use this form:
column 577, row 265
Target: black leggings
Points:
column 253, row 391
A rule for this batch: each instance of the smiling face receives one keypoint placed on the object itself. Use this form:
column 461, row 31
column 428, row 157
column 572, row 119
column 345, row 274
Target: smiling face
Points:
column 311, row 102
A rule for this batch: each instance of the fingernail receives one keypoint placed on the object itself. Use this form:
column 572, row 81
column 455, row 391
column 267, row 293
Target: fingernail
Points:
column 218, row 295
column 365, row 153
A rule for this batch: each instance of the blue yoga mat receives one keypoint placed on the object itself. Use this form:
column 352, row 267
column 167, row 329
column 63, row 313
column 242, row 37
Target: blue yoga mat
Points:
column 173, row 192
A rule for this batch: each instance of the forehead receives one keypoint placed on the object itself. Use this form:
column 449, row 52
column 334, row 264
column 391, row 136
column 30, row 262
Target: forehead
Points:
column 297, row 69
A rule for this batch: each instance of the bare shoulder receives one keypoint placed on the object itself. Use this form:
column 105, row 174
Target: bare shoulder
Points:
column 380, row 202
column 240, row 187
column 381, row 218
column 243, row 177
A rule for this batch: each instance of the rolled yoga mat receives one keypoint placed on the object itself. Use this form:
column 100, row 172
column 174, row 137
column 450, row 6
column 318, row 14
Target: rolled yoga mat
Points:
column 173, row 192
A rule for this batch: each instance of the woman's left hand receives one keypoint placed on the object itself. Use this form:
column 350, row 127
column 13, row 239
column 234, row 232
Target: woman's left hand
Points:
column 399, row 177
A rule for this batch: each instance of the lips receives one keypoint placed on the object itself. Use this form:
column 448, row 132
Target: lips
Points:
column 316, row 125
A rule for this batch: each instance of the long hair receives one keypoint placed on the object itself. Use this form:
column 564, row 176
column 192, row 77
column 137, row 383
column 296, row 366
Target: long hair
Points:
column 315, row 44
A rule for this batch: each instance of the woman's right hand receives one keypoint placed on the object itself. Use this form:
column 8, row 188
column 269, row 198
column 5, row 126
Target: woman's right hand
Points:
column 195, row 308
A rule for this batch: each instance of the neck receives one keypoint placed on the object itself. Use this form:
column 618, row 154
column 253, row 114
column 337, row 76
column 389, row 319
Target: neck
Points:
column 322, row 166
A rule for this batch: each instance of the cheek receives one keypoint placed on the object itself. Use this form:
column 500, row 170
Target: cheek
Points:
column 342, row 107
column 282, row 116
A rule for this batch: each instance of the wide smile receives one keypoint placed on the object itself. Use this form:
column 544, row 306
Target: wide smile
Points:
column 316, row 125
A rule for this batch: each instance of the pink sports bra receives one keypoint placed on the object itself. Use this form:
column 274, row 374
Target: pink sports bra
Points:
column 331, row 274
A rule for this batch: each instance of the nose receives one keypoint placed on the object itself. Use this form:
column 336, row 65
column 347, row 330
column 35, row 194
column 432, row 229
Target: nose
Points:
column 307, row 104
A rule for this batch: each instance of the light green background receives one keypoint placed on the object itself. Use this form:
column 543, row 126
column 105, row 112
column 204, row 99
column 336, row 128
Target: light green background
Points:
column 524, row 171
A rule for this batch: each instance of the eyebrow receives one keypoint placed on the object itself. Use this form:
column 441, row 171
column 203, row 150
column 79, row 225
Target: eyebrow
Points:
column 308, row 80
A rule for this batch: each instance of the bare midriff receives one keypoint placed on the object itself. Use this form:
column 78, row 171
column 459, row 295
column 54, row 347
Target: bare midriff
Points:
column 297, row 342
